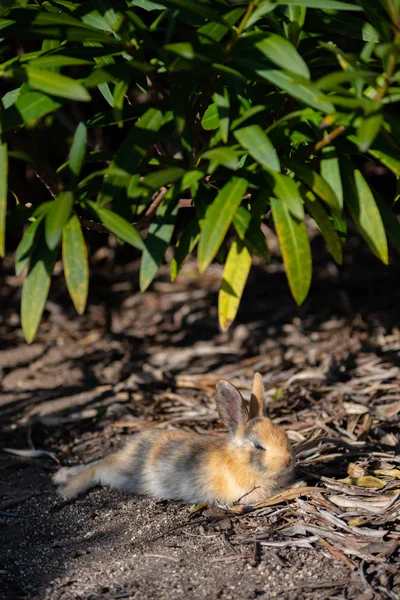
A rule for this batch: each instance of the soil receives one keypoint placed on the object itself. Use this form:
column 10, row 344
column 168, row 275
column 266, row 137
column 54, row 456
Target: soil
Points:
column 331, row 370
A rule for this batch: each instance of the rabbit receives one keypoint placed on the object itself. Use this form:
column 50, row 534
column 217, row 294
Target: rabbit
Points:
column 248, row 466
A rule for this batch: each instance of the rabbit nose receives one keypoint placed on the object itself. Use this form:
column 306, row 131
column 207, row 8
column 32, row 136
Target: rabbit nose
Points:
column 289, row 463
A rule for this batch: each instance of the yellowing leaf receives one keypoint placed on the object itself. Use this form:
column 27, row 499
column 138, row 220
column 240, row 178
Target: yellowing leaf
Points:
column 76, row 270
column 236, row 272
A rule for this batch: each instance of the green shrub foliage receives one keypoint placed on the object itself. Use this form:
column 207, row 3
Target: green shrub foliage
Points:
column 245, row 111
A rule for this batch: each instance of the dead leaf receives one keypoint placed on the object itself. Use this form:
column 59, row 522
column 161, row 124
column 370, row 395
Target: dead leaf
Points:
column 355, row 470
column 289, row 494
column 353, row 408
column 387, row 411
column 377, row 505
column 388, row 472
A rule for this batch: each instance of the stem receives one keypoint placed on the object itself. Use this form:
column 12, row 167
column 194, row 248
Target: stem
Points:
column 380, row 94
column 330, row 137
column 381, row 91
column 241, row 27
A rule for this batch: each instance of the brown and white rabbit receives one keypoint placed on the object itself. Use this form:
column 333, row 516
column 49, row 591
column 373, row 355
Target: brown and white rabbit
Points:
column 247, row 467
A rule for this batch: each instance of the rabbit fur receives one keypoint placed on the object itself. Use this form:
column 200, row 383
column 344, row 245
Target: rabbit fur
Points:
column 247, row 466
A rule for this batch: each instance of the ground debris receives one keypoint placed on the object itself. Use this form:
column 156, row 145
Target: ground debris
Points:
column 152, row 361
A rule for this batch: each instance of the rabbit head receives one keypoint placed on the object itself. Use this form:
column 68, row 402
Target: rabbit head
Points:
column 262, row 447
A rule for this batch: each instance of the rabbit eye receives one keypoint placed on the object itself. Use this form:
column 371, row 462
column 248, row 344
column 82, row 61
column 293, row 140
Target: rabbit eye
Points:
column 259, row 446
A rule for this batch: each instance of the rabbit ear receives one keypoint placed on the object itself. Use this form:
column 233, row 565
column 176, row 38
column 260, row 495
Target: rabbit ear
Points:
column 257, row 400
column 230, row 405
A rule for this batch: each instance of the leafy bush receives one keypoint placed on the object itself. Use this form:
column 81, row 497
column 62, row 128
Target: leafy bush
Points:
column 128, row 111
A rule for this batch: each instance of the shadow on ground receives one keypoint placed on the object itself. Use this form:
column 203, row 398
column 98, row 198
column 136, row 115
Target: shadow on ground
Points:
column 331, row 369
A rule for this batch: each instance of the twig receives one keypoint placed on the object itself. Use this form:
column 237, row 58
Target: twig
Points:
column 255, row 559
column 151, row 211
column 246, row 494
column 316, row 586
column 163, row 557
column 330, row 137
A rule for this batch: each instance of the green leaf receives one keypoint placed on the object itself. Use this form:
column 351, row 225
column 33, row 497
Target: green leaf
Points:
column 224, row 155
column 262, row 9
column 236, row 271
column 33, row 23
column 157, row 242
column 331, row 81
column 118, row 225
column 158, row 179
column 324, row 4
column 75, row 261
column 305, row 91
column 295, row 248
column 190, row 235
column 3, row 195
column 364, row 210
column 368, row 130
column 78, row 149
column 330, row 171
column 36, row 288
column 383, row 149
column 391, row 161
column 287, row 190
column 325, row 226
column 218, row 217
column 214, row 32
column 131, row 152
column 53, row 83
column 210, row 118
column 185, row 245
column 248, row 114
column 11, row 97
column 221, row 99
column 45, row 62
column 390, row 221
column 183, row 49
column 29, row 106
column 105, row 91
column 316, row 183
column 25, row 246
column 148, row 5
column 195, row 7
column 120, row 90
column 57, row 217
column 248, row 229
column 281, row 52
column 254, row 140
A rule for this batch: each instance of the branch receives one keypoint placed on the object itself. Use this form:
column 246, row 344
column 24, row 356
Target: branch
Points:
column 330, row 137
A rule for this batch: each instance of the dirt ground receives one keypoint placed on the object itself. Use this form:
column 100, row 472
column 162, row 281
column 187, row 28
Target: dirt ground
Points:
column 331, row 370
